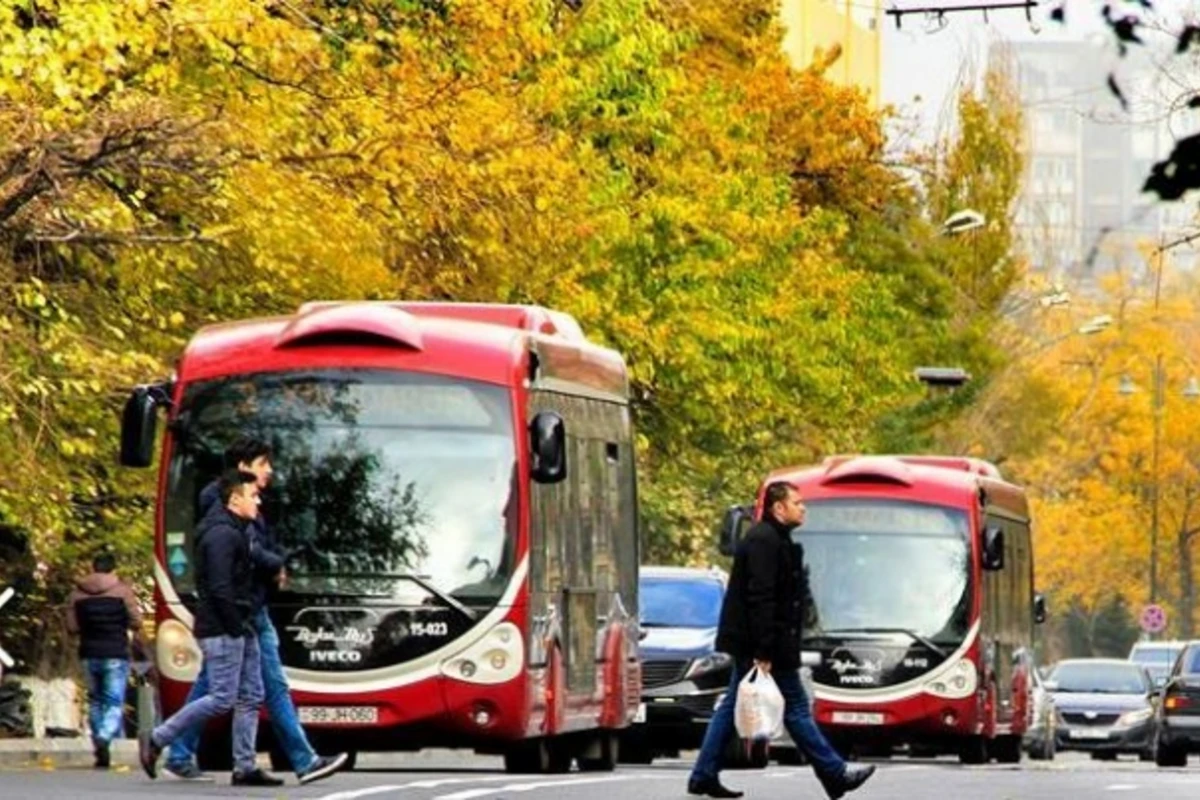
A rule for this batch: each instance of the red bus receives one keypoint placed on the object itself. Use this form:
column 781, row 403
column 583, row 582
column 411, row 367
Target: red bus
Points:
column 455, row 485
column 921, row 621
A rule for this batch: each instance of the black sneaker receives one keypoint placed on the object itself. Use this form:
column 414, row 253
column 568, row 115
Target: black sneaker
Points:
column 103, row 759
column 186, row 772
column 711, row 787
column 323, row 767
column 148, row 753
column 255, row 777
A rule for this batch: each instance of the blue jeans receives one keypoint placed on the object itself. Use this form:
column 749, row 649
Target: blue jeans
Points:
column 282, row 710
column 235, row 684
column 106, row 679
column 797, row 719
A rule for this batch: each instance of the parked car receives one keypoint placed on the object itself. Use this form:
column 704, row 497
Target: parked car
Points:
column 1105, row 707
column 1040, row 738
column 1178, row 713
column 683, row 677
column 1157, row 658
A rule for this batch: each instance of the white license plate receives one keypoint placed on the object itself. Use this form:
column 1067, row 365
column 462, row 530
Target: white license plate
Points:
column 858, row 717
column 1084, row 733
column 640, row 716
column 339, row 715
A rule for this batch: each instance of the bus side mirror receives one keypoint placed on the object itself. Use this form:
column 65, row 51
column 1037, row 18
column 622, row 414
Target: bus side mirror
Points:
column 993, row 549
column 548, row 447
column 139, row 424
column 1039, row 608
column 733, row 525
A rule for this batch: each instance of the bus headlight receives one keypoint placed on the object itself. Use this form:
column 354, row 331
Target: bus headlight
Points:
column 179, row 657
column 498, row 657
column 956, row 683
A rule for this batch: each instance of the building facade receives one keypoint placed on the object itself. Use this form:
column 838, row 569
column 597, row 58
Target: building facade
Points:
column 852, row 25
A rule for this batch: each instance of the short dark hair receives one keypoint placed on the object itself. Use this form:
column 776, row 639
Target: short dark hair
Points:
column 104, row 562
column 231, row 480
column 776, row 493
column 245, row 449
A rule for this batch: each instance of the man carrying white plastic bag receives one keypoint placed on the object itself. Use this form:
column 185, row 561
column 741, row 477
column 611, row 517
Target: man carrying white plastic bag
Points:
column 761, row 620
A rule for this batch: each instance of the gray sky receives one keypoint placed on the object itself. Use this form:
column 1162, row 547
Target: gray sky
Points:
column 922, row 65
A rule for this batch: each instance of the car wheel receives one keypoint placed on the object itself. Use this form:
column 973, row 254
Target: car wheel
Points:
column 1167, row 756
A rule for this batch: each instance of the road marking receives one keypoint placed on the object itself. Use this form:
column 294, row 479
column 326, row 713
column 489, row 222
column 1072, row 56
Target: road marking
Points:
column 470, row 794
column 354, row 794
column 1121, row 787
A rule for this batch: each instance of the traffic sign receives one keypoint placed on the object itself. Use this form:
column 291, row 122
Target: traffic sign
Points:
column 1153, row 619
column 5, row 658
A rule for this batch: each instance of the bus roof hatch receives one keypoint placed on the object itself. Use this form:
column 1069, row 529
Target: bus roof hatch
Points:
column 867, row 469
column 362, row 323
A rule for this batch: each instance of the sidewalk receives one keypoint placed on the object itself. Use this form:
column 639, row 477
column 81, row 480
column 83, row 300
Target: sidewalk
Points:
column 61, row 753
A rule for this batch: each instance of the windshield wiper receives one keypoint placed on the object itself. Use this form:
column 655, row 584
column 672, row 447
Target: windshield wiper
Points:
column 420, row 580
column 916, row 637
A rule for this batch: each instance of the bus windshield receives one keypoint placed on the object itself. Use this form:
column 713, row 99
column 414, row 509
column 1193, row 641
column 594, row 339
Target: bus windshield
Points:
column 886, row 565
column 386, row 483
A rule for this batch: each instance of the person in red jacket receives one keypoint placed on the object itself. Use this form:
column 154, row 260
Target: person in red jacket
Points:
column 103, row 610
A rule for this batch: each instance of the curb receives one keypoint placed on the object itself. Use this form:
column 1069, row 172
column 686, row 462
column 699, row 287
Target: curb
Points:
column 56, row 753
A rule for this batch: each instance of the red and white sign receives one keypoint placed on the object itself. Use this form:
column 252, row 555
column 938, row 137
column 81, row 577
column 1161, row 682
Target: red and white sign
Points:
column 1153, row 619
column 5, row 658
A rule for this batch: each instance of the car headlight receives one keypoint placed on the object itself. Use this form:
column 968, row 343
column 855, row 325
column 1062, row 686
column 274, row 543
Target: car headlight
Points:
column 178, row 654
column 955, row 683
column 710, row 663
column 1131, row 718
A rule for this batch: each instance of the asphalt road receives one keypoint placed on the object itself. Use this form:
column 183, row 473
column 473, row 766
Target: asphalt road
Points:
column 452, row 776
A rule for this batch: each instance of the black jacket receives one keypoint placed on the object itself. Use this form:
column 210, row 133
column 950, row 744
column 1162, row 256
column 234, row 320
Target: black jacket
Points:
column 103, row 610
column 224, row 576
column 265, row 553
column 767, row 599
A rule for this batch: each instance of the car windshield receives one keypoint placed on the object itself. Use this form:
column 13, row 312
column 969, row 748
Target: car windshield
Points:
column 1096, row 678
column 678, row 603
column 386, row 483
column 876, row 564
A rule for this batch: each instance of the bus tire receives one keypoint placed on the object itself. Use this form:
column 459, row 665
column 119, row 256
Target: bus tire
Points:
column 215, row 752
column 973, row 751
column 541, row 756
column 604, row 754
column 1007, row 749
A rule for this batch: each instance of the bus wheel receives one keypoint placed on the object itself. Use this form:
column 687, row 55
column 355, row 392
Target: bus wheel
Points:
column 602, row 755
column 215, row 753
column 973, row 751
column 1007, row 749
column 537, row 756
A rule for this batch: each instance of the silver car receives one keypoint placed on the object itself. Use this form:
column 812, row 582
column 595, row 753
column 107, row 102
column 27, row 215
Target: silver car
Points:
column 1040, row 738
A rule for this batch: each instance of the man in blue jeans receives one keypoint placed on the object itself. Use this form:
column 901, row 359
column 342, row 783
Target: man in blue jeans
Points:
column 103, row 610
column 224, row 584
column 252, row 455
column 761, row 620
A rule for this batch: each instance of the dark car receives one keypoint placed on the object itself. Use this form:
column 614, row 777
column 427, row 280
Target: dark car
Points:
column 1179, row 710
column 683, row 677
column 1105, row 707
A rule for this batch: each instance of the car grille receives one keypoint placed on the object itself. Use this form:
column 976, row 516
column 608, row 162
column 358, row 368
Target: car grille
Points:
column 662, row 673
column 700, row 705
column 1079, row 718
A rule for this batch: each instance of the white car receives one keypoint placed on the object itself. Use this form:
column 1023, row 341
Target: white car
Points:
column 1157, row 657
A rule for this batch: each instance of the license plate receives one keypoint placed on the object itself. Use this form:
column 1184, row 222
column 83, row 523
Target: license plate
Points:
column 339, row 715
column 1084, row 733
column 640, row 716
column 858, row 717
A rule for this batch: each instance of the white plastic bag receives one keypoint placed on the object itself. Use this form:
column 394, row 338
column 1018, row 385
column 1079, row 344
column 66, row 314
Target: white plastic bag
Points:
column 758, row 714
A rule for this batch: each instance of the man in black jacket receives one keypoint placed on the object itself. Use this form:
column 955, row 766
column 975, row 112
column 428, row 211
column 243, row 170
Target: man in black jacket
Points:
column 225, row 586
column 103, row 610
column 761, row 622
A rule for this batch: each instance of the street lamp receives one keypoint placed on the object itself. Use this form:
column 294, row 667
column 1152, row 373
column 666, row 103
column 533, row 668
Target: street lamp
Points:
column 1128, row 387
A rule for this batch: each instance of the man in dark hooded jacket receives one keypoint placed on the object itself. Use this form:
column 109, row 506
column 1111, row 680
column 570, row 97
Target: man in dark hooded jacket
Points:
column 103, row 610
column 761, row 624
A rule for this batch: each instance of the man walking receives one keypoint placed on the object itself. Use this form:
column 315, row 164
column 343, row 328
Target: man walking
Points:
column 224, row 584
column 102, row 610
column 761, row 621
column 253, row 456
